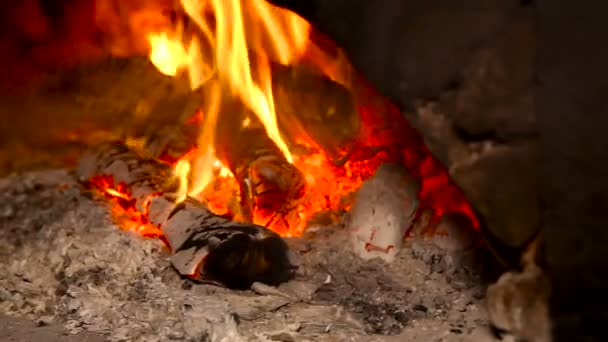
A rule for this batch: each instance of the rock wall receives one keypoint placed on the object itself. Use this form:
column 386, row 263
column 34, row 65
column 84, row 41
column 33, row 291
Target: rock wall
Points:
column 464, row 73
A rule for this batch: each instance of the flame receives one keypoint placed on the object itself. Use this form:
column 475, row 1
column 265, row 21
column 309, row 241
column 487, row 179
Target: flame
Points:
column 234, row 43
column 167, row 55
column 182, row 169
column 227, row 55
column 123, row 211
column 240, row 27
column 241, row 33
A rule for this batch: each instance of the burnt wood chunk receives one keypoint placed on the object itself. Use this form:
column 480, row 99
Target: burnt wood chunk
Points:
column 311, row 105
column 270, row 185
column 205, row 247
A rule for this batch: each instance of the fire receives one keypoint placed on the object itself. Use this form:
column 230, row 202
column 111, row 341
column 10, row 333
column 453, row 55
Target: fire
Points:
column 237, row 34
column 167, row 55
column 182, row 170
column 228, row 49
column 124, row 212
column 241, row 29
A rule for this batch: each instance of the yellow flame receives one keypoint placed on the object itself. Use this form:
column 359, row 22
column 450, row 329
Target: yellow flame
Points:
column 167, row 55
column 228, row 36
column 170, row 56
column 182, row 169
column 234, row 66
column 288, row 32
column 116, row 193
column 203, row 164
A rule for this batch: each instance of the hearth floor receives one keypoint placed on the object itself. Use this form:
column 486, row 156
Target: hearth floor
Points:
column 67, row 266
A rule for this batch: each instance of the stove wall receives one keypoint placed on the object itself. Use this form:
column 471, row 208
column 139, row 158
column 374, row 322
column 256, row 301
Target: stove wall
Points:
column 535, row 97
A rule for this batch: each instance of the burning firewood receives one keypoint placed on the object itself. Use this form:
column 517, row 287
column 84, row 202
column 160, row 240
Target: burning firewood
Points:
column 204, row 246
column 311, row 104
column 270, row 185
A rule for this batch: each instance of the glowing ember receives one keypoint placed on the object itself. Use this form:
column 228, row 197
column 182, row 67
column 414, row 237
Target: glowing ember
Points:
column 123, row 211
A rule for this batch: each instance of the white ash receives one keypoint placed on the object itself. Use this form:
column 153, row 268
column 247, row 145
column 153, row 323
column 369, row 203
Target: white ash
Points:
column 66, row 263
column 85, row 272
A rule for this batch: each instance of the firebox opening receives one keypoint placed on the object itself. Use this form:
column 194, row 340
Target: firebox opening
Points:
column 277, row 128
column 247, row 143
column 269, row 123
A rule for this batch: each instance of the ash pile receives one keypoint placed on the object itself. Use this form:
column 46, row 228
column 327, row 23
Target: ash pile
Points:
column 68, row 264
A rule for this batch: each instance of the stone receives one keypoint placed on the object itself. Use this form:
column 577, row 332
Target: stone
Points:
column 434, row 43
column 454, row 233
column 440, row 135
column 495, row 96
column 518, row 303
column 501, row 183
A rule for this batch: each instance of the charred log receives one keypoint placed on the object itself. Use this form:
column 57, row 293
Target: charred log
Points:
column 310, row 104
column 270, row 185
column 169, row 143
column 205, row 246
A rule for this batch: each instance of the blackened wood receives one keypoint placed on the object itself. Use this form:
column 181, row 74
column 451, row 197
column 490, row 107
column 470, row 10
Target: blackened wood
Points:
column 170, row 142
column 269, row 183
column 204, row 246
column 311, row 105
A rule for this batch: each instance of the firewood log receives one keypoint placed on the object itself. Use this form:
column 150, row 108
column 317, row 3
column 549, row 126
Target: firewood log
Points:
column 205, row 246
column 270, row 185
column 310, row 104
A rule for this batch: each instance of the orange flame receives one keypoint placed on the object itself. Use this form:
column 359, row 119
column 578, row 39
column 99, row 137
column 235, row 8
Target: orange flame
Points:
column 241, row 28
column 237, row 34
column 233, row 43
column 124, row 212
